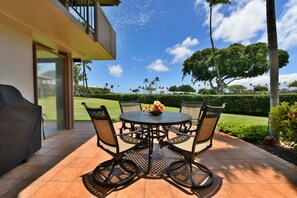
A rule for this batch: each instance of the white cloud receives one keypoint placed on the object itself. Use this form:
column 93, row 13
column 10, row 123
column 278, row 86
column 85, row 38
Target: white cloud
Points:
column 115, row 70
column 198, row 2
column 182, row 50
column 244, row 23
column 245, row 20
column 239, row 21
column 265, row 79
column 157, row 66
column 287, row 26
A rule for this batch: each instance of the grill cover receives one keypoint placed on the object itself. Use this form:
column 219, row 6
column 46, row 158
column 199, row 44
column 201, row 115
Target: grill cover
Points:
column 20, row 127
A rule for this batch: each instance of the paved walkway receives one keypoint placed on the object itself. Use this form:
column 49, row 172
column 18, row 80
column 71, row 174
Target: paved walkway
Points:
column 56, row 170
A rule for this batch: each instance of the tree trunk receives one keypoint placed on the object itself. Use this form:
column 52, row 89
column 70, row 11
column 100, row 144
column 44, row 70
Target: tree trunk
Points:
column 221, row 91
column 273, row 60
column 87, row 88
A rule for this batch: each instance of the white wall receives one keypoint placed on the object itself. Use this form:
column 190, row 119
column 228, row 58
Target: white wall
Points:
column 16, row 61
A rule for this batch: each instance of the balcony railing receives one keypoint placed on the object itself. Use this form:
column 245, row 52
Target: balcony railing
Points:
column 84, row 11
column 92, row 17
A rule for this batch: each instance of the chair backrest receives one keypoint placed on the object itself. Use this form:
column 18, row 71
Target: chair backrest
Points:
column 207, row 124
column 192, row 108
column 129, row 106
column 103, row 125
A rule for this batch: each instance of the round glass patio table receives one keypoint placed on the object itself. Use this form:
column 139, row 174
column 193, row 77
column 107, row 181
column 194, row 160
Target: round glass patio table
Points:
column 153, row 122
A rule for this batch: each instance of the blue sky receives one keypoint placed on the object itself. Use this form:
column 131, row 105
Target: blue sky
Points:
column 155, row 37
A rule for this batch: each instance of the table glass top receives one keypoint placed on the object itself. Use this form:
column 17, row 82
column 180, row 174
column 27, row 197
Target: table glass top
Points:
column 166, row 118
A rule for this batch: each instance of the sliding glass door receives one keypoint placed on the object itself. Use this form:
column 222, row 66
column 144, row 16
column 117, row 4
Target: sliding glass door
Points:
column 50, row 87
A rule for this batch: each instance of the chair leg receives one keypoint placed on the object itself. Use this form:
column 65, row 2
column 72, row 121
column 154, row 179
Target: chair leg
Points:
column 115, row 173
column 176, row 172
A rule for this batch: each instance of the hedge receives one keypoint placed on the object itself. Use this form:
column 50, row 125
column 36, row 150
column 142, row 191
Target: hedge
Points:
column 253, row 104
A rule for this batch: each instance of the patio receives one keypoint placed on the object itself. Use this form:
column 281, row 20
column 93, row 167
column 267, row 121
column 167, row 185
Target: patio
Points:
column 56, row 170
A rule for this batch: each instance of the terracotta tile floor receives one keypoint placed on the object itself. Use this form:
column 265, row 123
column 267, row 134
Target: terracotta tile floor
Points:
column 55, row 170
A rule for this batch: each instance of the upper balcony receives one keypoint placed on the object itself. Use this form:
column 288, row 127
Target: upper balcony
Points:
column 79, row 27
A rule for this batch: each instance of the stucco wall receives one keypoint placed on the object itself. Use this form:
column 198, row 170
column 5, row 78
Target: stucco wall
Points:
column 16, row 61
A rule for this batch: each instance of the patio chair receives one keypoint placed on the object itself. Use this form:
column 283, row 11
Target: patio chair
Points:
column 129, row 106
column 189, row 145
column 116, row 171
column 192, row 108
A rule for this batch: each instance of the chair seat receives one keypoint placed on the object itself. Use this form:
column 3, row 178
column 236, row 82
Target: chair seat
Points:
column 185, row 143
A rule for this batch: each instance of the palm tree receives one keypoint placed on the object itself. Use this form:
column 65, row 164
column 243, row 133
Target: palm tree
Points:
column 150, row 86
column 111, row 87
column 157, row 80
column 211, row 4
column 146, row 81
column 85, row 66
column 76, row 76
column 273, row 60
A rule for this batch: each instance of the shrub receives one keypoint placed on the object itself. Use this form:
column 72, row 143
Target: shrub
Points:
column 284, row 121
column 245, row 104
column 204, row 91
column 260, row 88
column 247, row 132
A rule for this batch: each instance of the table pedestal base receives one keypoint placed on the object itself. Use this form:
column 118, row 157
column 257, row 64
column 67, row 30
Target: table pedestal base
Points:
column 161, row 158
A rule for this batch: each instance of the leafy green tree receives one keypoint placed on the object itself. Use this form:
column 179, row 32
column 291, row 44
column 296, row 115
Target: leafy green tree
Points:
column 211, row 4
column 186, row 88
column 260, row 88
column 135, row 90
column 236, row 88
column 235, row 62
column 293, row 84
column 204, row 91
column 173, row 88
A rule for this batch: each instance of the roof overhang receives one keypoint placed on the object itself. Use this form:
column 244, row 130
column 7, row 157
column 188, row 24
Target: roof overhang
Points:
column 101, row 2
column 48, row 22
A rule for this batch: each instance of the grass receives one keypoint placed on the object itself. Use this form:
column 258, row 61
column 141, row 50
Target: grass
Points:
column 113, row 107
column 247, row 119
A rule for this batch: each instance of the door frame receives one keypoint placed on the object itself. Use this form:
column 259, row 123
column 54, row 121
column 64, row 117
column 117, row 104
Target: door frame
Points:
column 68, row 82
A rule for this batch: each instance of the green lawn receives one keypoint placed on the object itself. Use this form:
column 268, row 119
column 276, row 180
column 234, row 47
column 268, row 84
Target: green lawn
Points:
column 113, row 107
column 240, row 119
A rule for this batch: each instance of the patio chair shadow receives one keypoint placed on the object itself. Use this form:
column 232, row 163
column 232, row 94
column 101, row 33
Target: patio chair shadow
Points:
column 100, row 191
column 161, row 159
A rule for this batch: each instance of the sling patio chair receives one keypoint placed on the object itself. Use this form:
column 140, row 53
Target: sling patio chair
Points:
column 129, row 106
column 117, row 171
column 189, row 145
column 192, row 108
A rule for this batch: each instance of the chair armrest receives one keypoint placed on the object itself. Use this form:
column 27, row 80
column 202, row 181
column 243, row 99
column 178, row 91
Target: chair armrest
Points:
column 129, row 133
column 179, row 133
